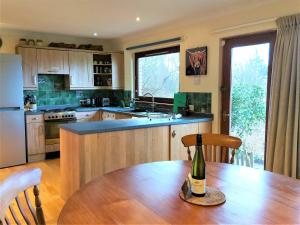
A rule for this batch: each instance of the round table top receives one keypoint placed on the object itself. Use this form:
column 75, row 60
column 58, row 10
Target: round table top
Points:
column 149, row 194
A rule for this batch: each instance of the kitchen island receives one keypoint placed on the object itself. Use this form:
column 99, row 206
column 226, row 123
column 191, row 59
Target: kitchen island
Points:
column 92, row 149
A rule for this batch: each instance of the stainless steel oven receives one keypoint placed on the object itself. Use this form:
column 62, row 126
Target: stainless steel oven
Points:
column 52, row 122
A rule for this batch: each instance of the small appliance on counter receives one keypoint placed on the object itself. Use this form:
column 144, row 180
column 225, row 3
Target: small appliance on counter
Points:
column 30, row 103
column 95, row 102
column 102, row 102
column 88, row 102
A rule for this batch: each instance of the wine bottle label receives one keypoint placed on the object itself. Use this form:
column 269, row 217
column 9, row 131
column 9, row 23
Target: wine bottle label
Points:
column 198, row 186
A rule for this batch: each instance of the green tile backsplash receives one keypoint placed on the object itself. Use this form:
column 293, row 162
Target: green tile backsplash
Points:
column 52, row 91
column 201, row 101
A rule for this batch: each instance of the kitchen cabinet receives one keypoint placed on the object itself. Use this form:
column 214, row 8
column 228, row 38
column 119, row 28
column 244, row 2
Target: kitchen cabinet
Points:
column 117, row 70
column 35, row 132
column 88, row 116
column 108, row 70
column 29, row 67
column 120, row 116
column 177, row 150
column 87, row 156
column 81, row 70
column 52, row 61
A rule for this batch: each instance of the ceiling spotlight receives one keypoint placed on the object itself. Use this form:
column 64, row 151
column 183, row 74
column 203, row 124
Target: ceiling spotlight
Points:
column 138, row 19
column 95, row 34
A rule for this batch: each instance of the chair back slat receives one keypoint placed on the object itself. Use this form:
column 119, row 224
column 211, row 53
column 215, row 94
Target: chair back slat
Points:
column 22, row 211
column 232, row 157
column 189, row 153
column 14, row 216
column 213, row 151
column 10, row 189
column 224, row 153
column 6, row 221
column 33, row 213
column 215, row 144
column 205, row 152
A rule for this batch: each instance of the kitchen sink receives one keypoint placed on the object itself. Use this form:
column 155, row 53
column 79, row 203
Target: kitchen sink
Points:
column 154, row 115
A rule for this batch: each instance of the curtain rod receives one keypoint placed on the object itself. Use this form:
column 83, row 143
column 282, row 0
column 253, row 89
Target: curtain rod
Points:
column 243, row 25
column 154, row 43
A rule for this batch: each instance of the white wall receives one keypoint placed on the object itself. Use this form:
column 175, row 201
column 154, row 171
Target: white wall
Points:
column 11, row 37
column 199, row 34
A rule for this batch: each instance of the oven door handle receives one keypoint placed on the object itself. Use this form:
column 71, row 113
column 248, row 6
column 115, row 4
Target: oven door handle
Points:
column 61, row 121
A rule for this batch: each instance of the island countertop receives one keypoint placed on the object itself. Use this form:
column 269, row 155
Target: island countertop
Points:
column 127, row 124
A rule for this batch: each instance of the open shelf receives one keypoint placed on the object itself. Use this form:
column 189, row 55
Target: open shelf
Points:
column 106, row 74
column 102, row 64
column 102, row 71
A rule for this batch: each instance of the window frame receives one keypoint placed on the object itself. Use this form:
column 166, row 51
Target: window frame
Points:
column 160, row 51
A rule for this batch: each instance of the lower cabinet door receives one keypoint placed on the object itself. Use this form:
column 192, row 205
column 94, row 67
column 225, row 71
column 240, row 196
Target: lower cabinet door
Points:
column 35, row 138
column 178, row 151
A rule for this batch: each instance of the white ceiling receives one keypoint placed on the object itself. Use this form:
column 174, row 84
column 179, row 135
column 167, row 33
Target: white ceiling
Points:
column 109, row 18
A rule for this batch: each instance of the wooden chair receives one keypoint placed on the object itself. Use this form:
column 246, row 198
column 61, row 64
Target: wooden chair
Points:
column 212, row 142
column 11, row 189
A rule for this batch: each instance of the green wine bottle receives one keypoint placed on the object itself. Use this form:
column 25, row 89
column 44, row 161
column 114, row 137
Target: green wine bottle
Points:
column 198, row 182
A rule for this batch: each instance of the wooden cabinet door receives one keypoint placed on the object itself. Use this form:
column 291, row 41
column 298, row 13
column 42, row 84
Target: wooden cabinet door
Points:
column 120, row 116
column 204, row 127
column 87, row 116
column 117, row 70
column 35, row 138
column 81, row 70
column 29, row 67
column 177, row 150
column 52, row 61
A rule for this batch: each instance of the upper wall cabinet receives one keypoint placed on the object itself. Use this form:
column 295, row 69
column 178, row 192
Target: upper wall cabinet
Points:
column 52, row 61
column 117, row 70
column 81, row 70
column 29, row 66
column 86, row 69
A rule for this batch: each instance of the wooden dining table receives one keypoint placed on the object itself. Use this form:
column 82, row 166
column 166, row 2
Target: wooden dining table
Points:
column 149, row 194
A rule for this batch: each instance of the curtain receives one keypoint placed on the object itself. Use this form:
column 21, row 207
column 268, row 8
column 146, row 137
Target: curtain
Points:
column 283, row 137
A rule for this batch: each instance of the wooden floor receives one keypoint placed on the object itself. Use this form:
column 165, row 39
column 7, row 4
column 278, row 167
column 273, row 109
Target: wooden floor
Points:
column 52, row 203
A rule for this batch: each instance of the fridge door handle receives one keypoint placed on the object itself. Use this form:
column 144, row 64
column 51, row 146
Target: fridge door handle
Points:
column 10, row 108
column 34, row 79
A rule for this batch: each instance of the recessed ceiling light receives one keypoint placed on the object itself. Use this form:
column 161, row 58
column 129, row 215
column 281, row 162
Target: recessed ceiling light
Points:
column 95, row 34
column 138, row 19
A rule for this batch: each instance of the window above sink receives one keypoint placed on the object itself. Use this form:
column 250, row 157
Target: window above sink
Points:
column 157, row 72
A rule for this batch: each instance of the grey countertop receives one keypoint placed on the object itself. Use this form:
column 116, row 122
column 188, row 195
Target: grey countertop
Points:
column 83, row 109
column 127, row 124
column 34, row 112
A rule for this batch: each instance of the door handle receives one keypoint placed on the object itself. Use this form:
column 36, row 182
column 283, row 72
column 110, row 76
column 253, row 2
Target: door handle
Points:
column 225, row 116
column 173, row 133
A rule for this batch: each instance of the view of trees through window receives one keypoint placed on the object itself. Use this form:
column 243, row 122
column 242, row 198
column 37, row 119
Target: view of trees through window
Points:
column 159, row 75
column 248, row 101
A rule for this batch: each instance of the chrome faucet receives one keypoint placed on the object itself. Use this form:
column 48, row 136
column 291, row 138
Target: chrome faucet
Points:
column 153, row 104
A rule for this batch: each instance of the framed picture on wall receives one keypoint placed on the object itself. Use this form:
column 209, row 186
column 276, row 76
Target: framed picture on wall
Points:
column 196, row 61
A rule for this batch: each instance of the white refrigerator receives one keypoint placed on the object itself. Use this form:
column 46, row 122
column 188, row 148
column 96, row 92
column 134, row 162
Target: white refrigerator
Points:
column 12, row 121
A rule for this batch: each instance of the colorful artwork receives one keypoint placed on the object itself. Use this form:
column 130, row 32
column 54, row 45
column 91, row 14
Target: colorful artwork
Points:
column 196, row 61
